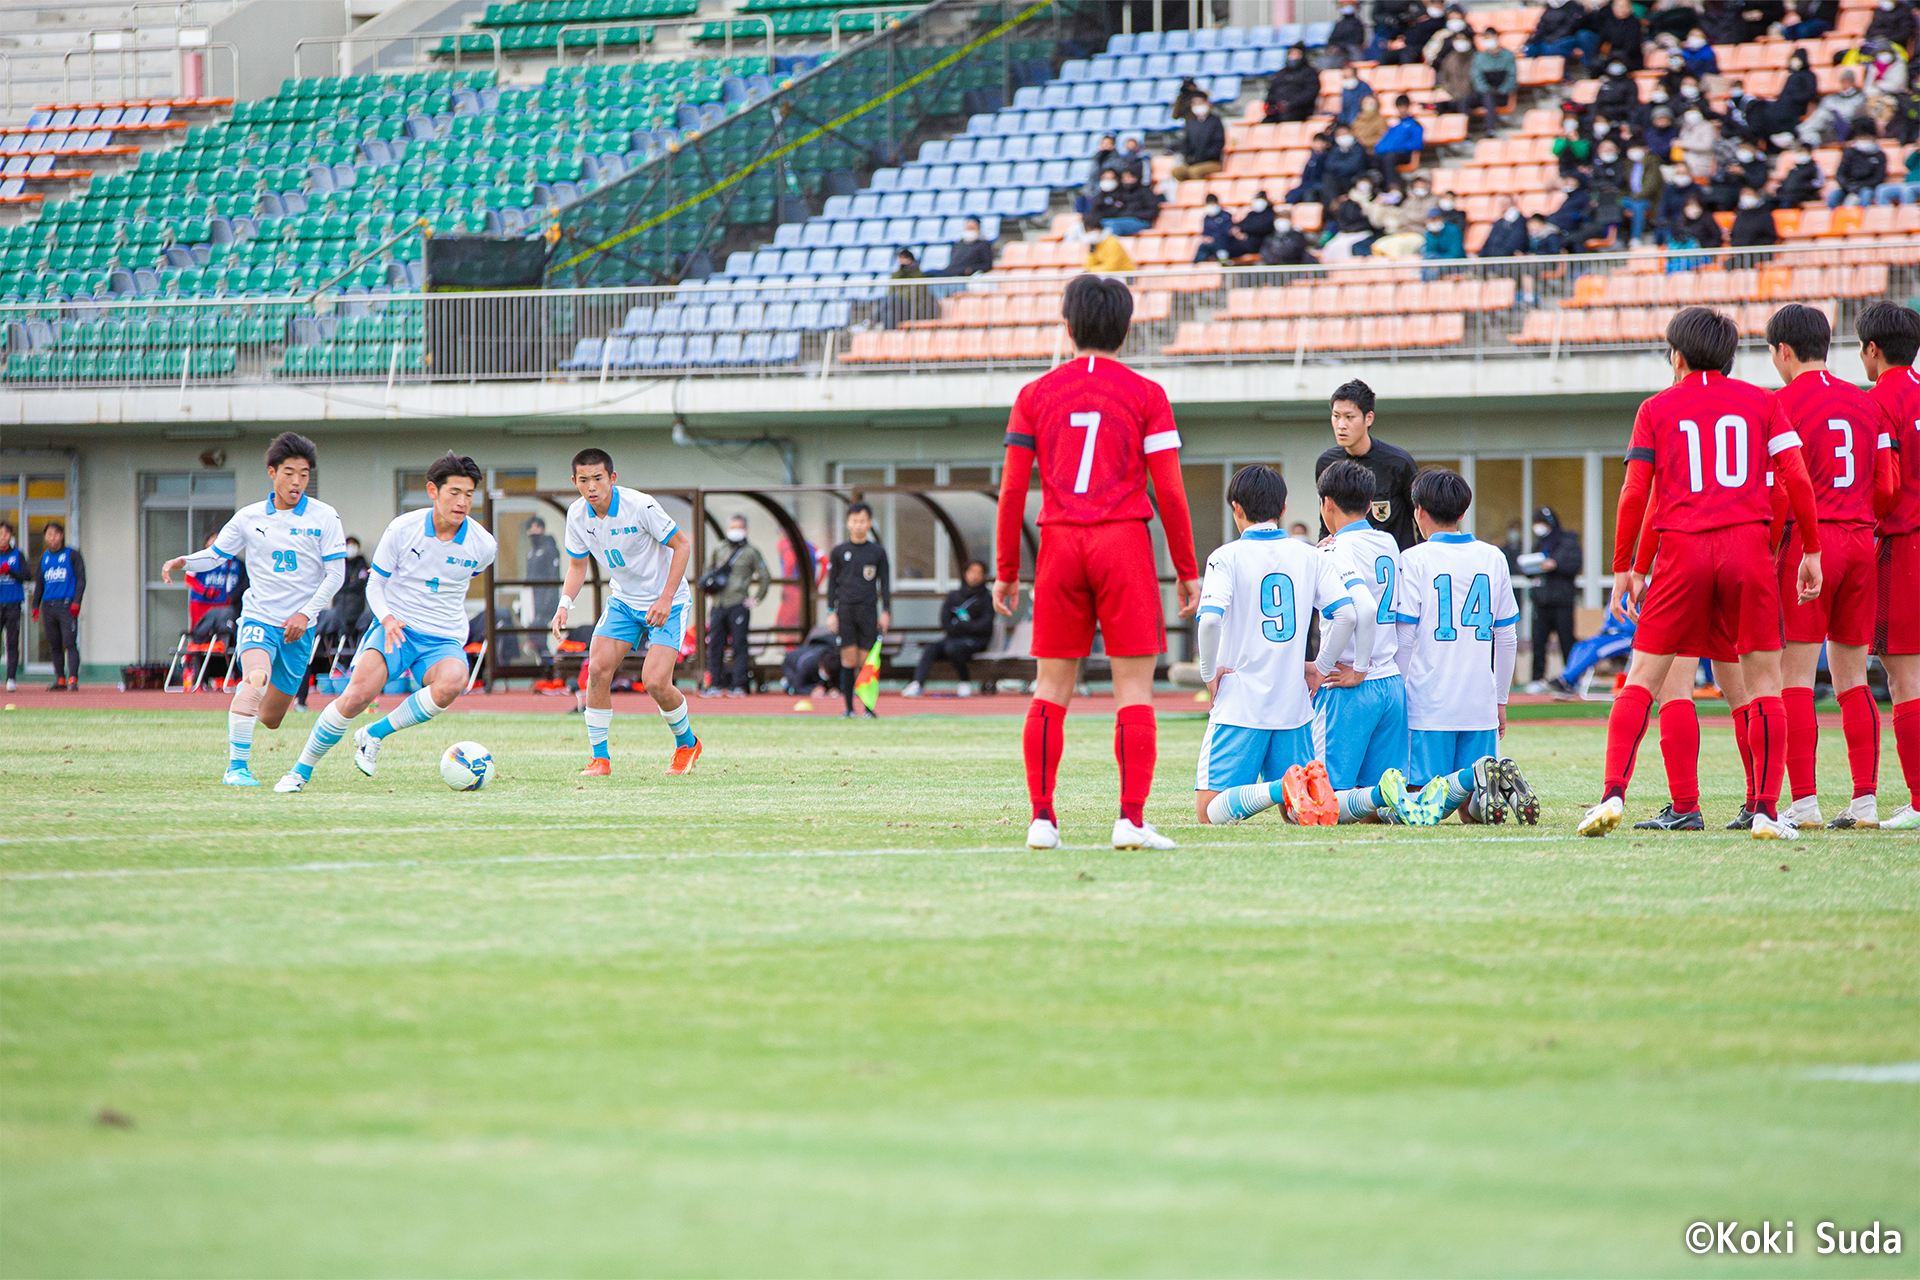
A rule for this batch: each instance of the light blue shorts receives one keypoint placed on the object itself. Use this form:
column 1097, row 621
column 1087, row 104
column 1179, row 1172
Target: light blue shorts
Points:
column 289, row 660
column 1233, row 756
column 624, row 622
column 1438, row 751
column 1361, row 732
column 418, row 652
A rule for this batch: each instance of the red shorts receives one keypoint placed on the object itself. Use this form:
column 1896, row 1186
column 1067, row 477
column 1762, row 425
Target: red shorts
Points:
column 1844, row 611
column 1711, row 595
column 1103, row 573
column 1896, row 627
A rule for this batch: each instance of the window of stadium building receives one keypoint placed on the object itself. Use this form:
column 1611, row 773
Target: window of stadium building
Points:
column 179, row 511
column 28, row 502
column 921, row 556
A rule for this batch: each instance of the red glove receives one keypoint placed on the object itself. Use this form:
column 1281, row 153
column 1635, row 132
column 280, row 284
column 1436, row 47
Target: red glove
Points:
column 74, row 608
column 36, row 615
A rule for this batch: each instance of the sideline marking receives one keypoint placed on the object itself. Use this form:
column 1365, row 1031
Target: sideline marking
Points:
column 1881, row 1073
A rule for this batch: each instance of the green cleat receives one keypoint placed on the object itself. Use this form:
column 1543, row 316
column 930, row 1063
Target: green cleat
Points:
column 1430, row 803
column 1403, row 807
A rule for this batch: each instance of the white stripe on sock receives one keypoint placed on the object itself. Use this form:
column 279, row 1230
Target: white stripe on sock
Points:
column 599, row 724
column 239, row 737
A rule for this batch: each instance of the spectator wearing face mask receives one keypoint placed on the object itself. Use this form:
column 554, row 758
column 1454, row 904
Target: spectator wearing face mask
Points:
column 1697, row 57
column 1353, row 232
column 1405, row 140
column 1903, row 190
column 1409, row 45
column 1623, row 34
column 1573, row 149
column 1804, row 181
column 1369, row 126
column 1293, row 92
column 972, row 255
column 1543, row 240
column 1833, row 119
column 1455, row 28
column 1744, row 168
column 1863, row 168
column 1691, row 98
column 1576, row 201
column 1619, row 93
column 1353, row 90
column 1680, row 189
column 1345, row 163
column 1450, row 210
column 1402, row 224
column 1799, row 89
column 1752, row 222
column 1641, row 186
column 1659, row 134
column 1806, row 19
column 1285, row 247
column 1253, row 228
column 1883, row 72
column 1696, row 142
column 1313, row 178
column 1562, row 32
column 729, row 615
column 1105, row 253
column 1443, row 243
column 1349, row 35
column 1668, row 21
column 1453, row 74
column 1745, row 114
column 1893, row 22
column 1203, row 144
column 1507, row 237
column 1216, row 233
column 1115, row 206
column 1555, row 591
column 1696, row 228
column 1607, row 168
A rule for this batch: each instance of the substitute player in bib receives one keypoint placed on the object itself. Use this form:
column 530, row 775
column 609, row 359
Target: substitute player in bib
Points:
column 417, row 594
column 1097, row 430
column 1456, row 632
column 296, row 556
column 1707, row 439
column 1889, row 337
column 1848, row 455
column 645, row 553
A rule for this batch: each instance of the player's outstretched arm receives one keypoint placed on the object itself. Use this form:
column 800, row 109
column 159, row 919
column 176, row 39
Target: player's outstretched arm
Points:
column 1629, row 516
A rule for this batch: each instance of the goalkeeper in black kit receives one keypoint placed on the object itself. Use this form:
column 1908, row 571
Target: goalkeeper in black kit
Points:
column 859, row 598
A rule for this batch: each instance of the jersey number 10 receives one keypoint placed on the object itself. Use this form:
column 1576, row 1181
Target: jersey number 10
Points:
column 1729, row 452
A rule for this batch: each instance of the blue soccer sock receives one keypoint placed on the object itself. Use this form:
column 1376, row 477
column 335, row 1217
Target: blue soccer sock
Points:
column 417, row 709
column 1237, row 804
column 1362, row 804
column 1459, row 790
column 681, row 723
column 327, row 732
column 599, row 725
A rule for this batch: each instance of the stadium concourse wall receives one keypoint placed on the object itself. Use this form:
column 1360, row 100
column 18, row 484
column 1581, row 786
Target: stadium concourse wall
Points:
column 1525, row 431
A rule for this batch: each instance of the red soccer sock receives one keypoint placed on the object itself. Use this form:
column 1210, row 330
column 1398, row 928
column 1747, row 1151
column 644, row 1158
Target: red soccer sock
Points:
column 1742, row 723
column 1767, row 738
column 1906, row 744
column 1042, row 743
column 1860, row 722
column 1626, row 725
column 1803, row 741
column 1136, row 745
column 1680, row 751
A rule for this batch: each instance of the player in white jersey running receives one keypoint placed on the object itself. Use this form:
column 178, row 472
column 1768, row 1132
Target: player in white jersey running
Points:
column 1457, row 642
column 1361, row 731
column 1255, row 603
column 645, row 553
column 296, row 554
column 417, row 594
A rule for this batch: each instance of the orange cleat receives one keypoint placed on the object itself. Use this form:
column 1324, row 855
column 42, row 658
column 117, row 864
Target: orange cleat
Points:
column 683, row 758
column 1309, row 796
column 597, row 768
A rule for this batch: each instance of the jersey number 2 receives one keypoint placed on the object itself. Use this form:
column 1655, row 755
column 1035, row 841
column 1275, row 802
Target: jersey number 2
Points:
column 1276, row 601
column 1729, row 452
column 1091, row 421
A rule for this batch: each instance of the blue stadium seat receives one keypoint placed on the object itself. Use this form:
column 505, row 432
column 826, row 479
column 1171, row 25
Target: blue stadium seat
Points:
column 1014, row 148
column 873, row 232
column 1055, row 95
column 1159, row 65
column 1215, row 62
column 1026, row 97
column 884, row 180
column 740, row 264
column 850, row 260
column 1043, row 146
column 844, row 233
column 1114, row 92
column 997, row 175
column 1233, row 38
column 821, row 260
column 641, row 352
column 750, row 315
column 1121, row 43
column 693, row 319
column 948, row 202
column 766, row 262
column 616, row 352
column 967, row 176
column 914, row 179
column 586, row 355
column 1086, row 94
column 786, row 347
column 1058, row 174
column 1244, row 62
column 640, row 319
column 1026, row 174
column 1316, row 34
column 932, row 152
column 936, row 258
column 899, row 231
column 959, row 150
column 1186, row 64
column 786, row 236
column 977, row 203
column 919, row 204
column 814, row 234
column 699, row 349
column 980, row 124
column 756, row 348
column 1205, row 38
column 865, row 205
column 894, row 203
column 779, row 315
column 879, row 261
column 1176, row 41
column 1074, row 69
column 806, row 316
column 1146, row 42
column 986, row 149
column 726, row 349
column 927, row 231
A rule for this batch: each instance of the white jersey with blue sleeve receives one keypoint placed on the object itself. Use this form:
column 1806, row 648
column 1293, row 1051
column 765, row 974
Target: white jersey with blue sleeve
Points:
column 287, row 553
column 422, row 579
column 1456, row 595
column 1263, row 585
column 1369, row 561
column 630, row 542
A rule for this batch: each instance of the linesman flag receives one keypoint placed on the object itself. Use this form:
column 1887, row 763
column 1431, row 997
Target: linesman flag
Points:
column 867, row 683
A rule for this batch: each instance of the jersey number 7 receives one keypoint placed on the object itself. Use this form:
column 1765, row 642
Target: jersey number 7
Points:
column 1091, row 421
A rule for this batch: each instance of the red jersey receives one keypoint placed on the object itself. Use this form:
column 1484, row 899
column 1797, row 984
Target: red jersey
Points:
column 1091, row 424
column 1841, row 436
column 1709, row 439
column 1898, row 395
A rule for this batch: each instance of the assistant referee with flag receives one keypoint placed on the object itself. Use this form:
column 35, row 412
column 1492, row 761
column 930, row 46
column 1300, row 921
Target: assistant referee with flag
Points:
column 859, row 598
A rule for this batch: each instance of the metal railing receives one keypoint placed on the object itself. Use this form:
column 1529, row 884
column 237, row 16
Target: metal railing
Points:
column 1413, row 312
column 129, row 55
column 599, row 47
column 413, row 38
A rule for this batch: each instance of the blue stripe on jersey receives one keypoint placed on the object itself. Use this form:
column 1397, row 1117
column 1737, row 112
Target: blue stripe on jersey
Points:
column 1454, row 536
column 338, row 555
column 1328, row 612
column 1402, row 617
column 377, row 569
column 225, row 555
column 671, row 530
column 582, row 555
column 1206, row 609
column 1498, row 622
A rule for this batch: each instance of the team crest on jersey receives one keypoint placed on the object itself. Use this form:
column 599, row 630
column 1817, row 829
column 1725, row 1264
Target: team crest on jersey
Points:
column 1382, row 510
column 867, row 572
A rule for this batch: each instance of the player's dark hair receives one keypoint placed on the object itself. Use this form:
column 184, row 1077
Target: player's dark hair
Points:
column 1356, row 393
column 1260, row 490
column 53, row 524
column 1350, row 485
column 1098, row 310
column 1801, row 329
column 8, row 526
column 1442, row 494
column 449, row 464
column 1705, row 339
column 969, row 564
column 291, row 444
column 593, row 458
column 1893, row 328
column 859, row 508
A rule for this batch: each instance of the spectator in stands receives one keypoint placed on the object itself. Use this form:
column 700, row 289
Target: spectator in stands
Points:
column 729, row 616
column 1832, row 120
column 1352, row 90
column 1216, row 232
column 1203, row 143
column 1600, row 228
column 1455, row 28
column 1640, row 187
column 966, row 627
column 1453, row 75
column 1659, row 134
column 1348, row 38
column 1183, row 98
column 972, row 256
column 1494, row 74
column 1696, row 228
column 1573, row 148
column 1443, row 242
column 1345, row 163
column 1680, row 188
column 1313, row 178
column 1692, row 98
column 1604, row 128
column 1132, row 156
column 1562, row 32
column 1141, row 204
column 1799, row 89
column 1806, row 19
column 1507, row 237
column 1745, row 114
column 1619, row 93
column 1402, row 222
column 1449, row 210
column 1097, row 171
column 1863, row 168
column 1696, row 55
column 1905, row 190
column 1369, row 126
column 1893, row 22
column 1670, row 20
column 1402, row 143
column 904, row 302
column 1353, row 232
column 1623, row 34
column 1543, row 240
column 1110, row 207
column 1743, row 169
column 1752, row 222
column 1253, row 228
column 1409, row 44
column 1804, row 180
column 1293, row 92
column 1609, row 170
column 1285, row 247
column 1696, row 142
column 1575, row 203
column 1884, row 74
column 1106, row 252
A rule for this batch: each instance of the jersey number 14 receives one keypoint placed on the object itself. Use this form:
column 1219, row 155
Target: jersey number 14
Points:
column 1476, row 613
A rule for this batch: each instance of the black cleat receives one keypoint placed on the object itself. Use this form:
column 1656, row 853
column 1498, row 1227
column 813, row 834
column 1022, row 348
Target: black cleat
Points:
column 1742, row 821
column 1522, row 803
column 1668, row 820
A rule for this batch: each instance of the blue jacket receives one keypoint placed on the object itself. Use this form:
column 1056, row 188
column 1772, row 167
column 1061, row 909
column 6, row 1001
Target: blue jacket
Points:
column 1350, row 101
column 1405, row 135
column 1506, row 239
column 13, row 575
column 1444, row 243
column 1217, row 229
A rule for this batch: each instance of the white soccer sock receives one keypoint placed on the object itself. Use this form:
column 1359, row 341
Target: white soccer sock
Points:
column 680, row 722
column 599, row 724
column 418, row 709
column 239, row 737
column 327, row 731
column 1240, row 803
column 1358, row 805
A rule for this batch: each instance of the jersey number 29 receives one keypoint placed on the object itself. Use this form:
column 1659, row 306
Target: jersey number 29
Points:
column 286, row 561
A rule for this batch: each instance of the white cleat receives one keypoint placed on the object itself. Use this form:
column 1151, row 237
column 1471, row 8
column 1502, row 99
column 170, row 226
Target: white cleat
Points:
column 292, row 782
column 1864, row 811
column 963, row 690
column 366, row 752
column 238, row 775
column 1804, row 812
column 1905, row 818
column 1782, row 828
column 1603, row 817
column 1128, row 836
column 913, row 690
column 1043, row 834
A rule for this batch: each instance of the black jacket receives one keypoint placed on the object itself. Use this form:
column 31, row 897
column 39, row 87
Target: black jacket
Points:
column 970, row 259
column 1506, row 239
column 1861, row 170
column 1256, row 226
column 1801, row 184
column 1285, row 249
column 1393, row 471
column 1617, row 98
column 350, row 601
column 1703, row 231
column 1562, row 546
column 1141, row 202
column 857, row 574
column 1204, row 140
column 1752, row 227
column 1293, row 84
column 1622, row 37
column 1558, row 22
column 967, row 613
column 1895, row 24
column 1348, row 33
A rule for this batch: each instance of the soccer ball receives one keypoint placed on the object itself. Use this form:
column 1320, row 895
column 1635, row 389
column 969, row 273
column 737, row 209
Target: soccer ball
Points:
column 467, row 766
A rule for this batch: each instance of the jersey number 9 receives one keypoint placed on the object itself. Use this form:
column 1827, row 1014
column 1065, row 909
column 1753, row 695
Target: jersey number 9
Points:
column 1276, row 601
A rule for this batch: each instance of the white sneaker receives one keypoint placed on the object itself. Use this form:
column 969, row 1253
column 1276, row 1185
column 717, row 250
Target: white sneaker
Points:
column 1603, row 817
column 964, row 689
column 1905, row 818
column 1804, row 812
column 1538, row 686
column 912, row 690
column 292, row 782
column 366, row 751
column 1765, row 828
column 1864, row 811
column 1127, row 836
column 9, row 686
column 1043, row 834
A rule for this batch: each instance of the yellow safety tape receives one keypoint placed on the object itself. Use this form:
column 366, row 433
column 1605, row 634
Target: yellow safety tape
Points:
column 797, row 143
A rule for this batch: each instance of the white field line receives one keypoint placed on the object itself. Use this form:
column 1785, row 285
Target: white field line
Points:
column 1879, row 1073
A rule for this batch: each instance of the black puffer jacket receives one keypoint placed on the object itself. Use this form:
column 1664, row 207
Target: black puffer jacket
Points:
column 1562, row 546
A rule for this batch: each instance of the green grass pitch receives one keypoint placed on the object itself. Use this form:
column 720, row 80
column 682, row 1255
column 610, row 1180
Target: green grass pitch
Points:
column 814, row 1011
